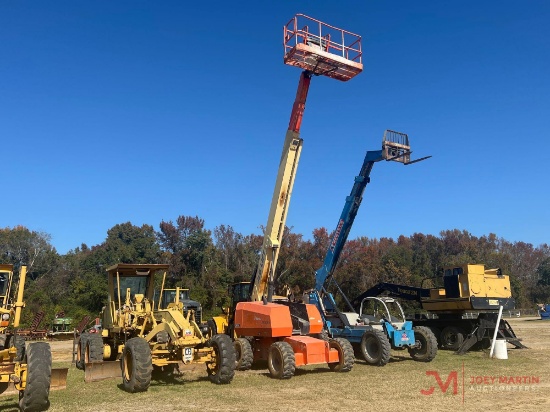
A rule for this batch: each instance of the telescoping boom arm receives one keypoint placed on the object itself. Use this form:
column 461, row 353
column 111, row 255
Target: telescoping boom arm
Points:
column 319, row 50
column 395, row 146
column 281, row 196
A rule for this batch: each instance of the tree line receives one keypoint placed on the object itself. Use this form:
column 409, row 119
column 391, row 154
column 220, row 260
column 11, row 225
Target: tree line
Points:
column 208, row 262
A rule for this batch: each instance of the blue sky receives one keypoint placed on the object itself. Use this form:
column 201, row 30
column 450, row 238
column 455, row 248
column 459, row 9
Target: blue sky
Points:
column 143, row 111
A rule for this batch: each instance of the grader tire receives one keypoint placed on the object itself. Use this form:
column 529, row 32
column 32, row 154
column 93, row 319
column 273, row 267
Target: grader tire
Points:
column 376, row 348
column 346, row 359
column 137, row 366
column 243, row 354
column 39, row 371
column 19, row 343
column 222, row 369
column 212, row 327
column 94, row 348
column 81, row 351
column 426, row 345
column 281, row 361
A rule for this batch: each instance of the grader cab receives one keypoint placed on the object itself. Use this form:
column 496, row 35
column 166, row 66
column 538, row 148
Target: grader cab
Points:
column 140, row 335
column 24, row 369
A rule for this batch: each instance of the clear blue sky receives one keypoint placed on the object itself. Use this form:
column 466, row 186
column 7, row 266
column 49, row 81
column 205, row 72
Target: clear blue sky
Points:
column 142, row 111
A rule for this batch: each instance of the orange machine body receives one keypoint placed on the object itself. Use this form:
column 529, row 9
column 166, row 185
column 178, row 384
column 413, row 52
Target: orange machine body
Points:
column 272, row 322
column 262, row 320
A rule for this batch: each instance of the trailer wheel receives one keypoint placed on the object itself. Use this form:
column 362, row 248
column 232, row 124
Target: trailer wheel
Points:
column 137, row 365
column 451, row 338
column 222, row 368
column 243, row 354
column 375, row 347
column 346, row 359
column 39, row 371
column 94, row 349
column 436, row 332
column 81, row 351
column 425, row 349
column 281, row 360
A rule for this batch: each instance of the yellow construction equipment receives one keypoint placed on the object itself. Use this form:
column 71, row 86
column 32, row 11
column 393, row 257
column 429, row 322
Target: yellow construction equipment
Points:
column 463, row 313
column 140, row 335
column 24, row 369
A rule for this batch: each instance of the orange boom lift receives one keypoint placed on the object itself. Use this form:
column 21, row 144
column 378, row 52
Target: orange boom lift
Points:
column 277, row 332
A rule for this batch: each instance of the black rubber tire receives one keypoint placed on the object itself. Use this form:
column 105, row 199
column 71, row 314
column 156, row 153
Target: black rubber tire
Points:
column 484, row 344
column 4, row 341
column 19, row 343
column 426, row 345
column 323, row 335
column 94, row 348
column 375, row 348
column 80, row 362
column 137, row 366
column 451, row 338
column 222, row 369
column 243, row 354
column 281, row 361
column 346, row 358
column 212, row 328
column 162, row 337
column 39, row 372
column 437, row 333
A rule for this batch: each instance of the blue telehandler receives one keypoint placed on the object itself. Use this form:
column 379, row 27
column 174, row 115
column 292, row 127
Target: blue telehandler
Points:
column 380, row 324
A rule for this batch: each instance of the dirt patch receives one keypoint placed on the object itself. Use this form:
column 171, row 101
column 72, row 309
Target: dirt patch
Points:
column 62, row 350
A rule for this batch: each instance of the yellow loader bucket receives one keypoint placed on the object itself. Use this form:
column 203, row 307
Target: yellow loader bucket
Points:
column 98, row 371
column 58, row 381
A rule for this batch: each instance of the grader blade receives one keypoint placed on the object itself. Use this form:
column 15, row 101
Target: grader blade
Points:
column 59, row 379
column 10, row 389
column 58, row 382
column 98, row 371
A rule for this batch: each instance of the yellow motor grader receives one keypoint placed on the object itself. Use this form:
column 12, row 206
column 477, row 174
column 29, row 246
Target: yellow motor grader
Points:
column 139, row 335
column 26, row 370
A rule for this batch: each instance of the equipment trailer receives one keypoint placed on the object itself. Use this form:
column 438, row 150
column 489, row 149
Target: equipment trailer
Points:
column 463, row 314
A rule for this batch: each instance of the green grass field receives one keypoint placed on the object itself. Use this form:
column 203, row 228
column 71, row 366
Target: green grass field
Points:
column 397, row 386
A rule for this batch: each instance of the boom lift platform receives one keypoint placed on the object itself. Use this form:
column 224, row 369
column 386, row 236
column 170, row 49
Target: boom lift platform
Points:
column 264, row 330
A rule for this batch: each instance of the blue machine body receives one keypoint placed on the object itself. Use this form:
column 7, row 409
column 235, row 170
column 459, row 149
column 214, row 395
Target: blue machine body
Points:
column 545, row 312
